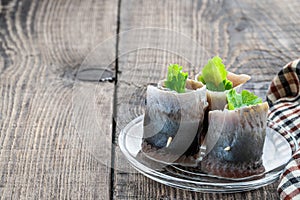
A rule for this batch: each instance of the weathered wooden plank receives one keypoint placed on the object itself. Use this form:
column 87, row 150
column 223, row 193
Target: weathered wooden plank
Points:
column 53, row 128
column 253, row 38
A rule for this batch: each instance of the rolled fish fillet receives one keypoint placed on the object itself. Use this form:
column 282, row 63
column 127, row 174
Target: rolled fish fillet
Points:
column 234, row 141
column 217, row 100
column 173, row 122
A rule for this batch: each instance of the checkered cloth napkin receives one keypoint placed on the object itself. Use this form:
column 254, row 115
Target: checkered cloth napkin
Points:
column 284, row 101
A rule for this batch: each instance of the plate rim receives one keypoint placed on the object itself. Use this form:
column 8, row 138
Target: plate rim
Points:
column 235, row 186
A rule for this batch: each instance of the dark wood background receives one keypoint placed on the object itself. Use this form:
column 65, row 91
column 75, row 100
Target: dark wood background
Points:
column 42, row 46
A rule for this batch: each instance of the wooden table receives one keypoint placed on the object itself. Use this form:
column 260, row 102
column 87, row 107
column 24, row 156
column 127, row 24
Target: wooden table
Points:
column 59, row 127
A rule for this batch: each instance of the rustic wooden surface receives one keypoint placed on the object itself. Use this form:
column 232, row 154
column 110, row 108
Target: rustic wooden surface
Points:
column 42, row 45
column 54, row 125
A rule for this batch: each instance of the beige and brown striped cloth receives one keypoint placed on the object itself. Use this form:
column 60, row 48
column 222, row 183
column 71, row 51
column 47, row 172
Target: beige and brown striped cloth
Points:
column 284, row 100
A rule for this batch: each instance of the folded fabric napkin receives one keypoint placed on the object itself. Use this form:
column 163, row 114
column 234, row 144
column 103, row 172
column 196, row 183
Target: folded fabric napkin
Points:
column 284, row 100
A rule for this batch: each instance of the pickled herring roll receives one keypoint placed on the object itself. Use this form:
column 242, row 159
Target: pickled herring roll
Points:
column 218, row 82
column 173, row 119
column 235, row 137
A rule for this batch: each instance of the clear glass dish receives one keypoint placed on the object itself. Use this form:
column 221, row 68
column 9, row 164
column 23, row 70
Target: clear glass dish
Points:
column 276, row 153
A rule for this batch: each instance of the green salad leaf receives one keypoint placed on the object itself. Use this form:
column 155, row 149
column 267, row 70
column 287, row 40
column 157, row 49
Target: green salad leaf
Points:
column 214, row 75
column 176, row 79
column 246, row 98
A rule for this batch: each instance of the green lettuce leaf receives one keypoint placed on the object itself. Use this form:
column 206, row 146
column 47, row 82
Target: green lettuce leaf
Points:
column 214, row 75
column 176, row 79
column 246, row 98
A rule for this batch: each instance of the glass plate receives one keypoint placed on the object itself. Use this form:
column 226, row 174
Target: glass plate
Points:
column 276, row 153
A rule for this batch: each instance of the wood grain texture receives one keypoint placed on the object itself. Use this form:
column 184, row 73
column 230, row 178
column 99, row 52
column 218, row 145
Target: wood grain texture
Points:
column 43, row 130
column 55, row 130
column 255, row 38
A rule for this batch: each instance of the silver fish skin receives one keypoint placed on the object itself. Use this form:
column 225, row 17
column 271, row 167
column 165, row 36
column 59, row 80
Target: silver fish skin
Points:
column 235, row 139
column 178, row 116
